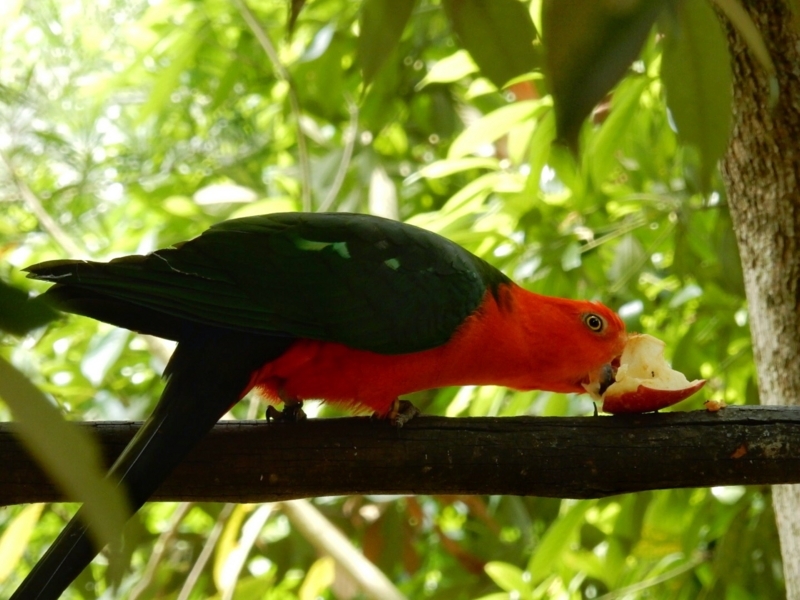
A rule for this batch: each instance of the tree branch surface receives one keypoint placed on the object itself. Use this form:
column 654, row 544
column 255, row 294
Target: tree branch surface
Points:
column 569, row 457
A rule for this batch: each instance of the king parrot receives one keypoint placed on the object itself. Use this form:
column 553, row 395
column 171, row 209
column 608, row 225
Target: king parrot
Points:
column 347, row 308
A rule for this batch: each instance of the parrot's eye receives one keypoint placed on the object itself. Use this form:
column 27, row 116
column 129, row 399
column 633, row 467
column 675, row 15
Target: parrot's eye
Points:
column 594, row 322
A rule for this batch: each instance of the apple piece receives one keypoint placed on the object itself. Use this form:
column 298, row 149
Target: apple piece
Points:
column 648, row 399
column 644, row 382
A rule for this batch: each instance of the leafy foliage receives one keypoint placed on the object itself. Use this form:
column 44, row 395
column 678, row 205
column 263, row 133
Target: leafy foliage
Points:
column 138, row 125
column 20, row 314
column 698, row 82
column 590, row 45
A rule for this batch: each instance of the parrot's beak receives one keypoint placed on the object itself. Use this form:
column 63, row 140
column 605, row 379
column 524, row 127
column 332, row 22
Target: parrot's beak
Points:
column 607, row 374
column 601, row 379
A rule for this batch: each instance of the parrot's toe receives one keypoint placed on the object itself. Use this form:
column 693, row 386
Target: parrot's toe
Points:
column 292, row 411
column 402, row 412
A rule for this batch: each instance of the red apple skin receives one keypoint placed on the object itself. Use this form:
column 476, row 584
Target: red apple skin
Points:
column 646, row 399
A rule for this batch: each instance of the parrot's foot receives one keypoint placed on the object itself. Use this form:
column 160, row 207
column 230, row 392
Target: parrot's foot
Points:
column 292, row 411
column 402, row 412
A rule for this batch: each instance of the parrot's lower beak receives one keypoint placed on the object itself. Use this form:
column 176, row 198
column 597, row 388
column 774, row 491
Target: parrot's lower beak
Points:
column 601, row 379
column 606, row 377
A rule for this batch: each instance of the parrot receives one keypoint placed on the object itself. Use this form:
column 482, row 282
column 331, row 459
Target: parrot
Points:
column 351, row 309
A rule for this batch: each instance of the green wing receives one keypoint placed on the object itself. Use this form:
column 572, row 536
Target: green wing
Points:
column 367, row 282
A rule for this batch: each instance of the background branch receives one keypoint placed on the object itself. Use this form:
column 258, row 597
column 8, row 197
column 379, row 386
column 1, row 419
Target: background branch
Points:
column 350, row 135
column 34, row 204
column 248, row 461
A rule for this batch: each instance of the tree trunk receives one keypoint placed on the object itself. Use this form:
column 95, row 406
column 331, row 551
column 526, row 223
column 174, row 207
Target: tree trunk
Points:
column 760, row 171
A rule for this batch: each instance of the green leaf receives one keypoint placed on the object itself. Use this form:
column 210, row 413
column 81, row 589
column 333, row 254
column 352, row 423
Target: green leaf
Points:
column 571, row 257
column 493, row 126
column 744, row 24
column 295, row 6
column 629, row 256
column 697, row 76
column 601, row 154
column 319, row 578
column 540, row 143
column 687, row 355
column 589, row 45
column 15, row 538
column 68, row 455
column 508, row 577
column 382, row 23
column 556, row 540
column 726, row 249
column 499, row 35
column 449, row 69
column 104, row 350
column 189, row 40
column 226, row 82
column 447, row 167
column 19, row 314
column 255, row 588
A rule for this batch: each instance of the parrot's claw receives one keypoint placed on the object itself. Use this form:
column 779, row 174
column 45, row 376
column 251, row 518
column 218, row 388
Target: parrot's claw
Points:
column 402, row 412
column 292, row 411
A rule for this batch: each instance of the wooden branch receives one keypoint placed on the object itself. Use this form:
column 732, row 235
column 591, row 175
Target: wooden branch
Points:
column 580, row 457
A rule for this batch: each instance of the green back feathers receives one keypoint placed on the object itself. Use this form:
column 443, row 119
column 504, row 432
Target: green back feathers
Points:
column 364, row 281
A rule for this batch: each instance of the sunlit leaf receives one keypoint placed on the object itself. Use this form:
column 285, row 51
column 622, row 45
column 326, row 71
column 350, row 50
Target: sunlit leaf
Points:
column 67, row 454
column 103, row 351
column 499, row 34
column 497, row 596
column 447, row 167
column 184, row 49
column 14, row 540
column 232, row 553
column 493, row 126
column 319, row 578
column 451, row 68
column 263, row 207
column 509, row 577
column 227, row 544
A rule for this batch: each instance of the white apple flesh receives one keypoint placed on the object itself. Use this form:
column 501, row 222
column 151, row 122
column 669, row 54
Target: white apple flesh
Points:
column 644, row 382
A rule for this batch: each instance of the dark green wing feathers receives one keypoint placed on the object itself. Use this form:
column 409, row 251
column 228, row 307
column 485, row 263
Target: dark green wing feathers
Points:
column 367, row 282
column 234, row 298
